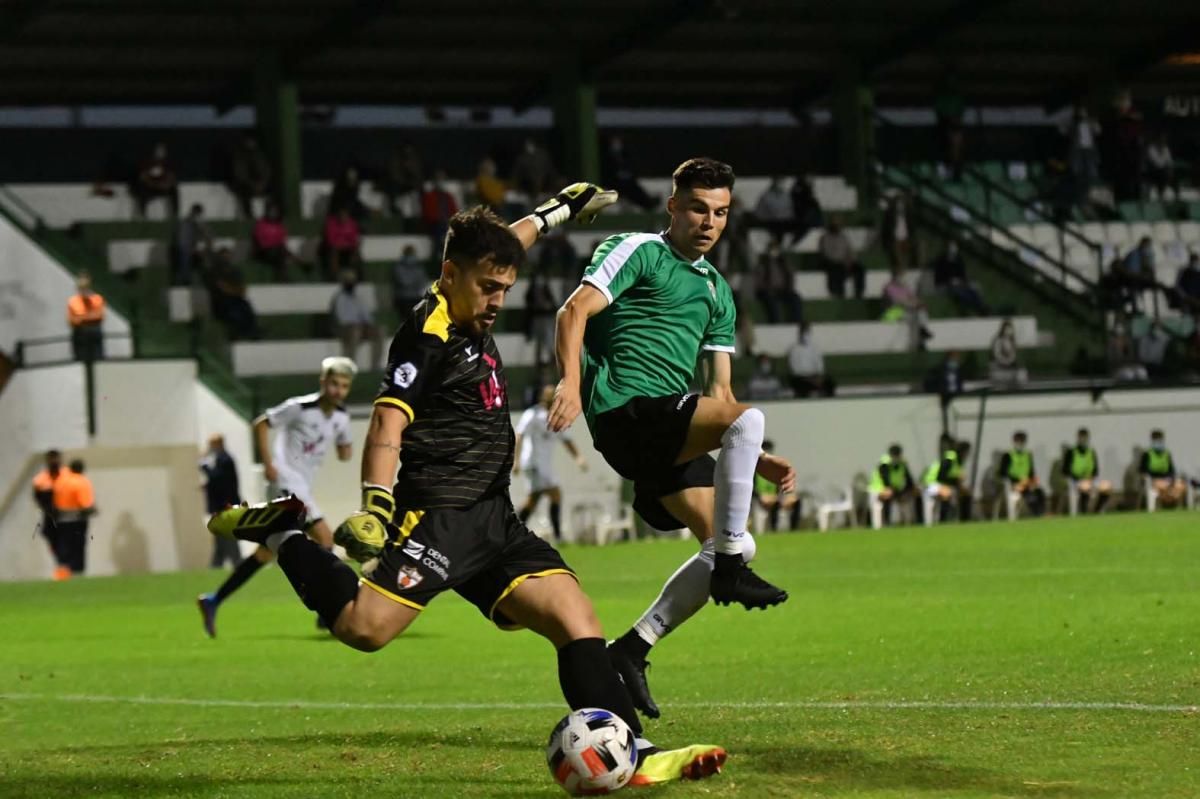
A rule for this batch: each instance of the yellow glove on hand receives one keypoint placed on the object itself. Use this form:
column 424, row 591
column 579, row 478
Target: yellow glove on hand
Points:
column 579, row 201
column 365, row 533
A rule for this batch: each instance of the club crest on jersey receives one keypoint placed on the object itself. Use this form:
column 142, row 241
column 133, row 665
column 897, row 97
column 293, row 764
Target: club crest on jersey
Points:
column 409, row 577
column 404, row 375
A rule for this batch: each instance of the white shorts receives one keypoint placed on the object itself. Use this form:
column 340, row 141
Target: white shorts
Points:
column 541, row 479
column 282, row 487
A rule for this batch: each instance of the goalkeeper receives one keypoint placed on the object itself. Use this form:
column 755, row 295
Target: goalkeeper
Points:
column 449, row 523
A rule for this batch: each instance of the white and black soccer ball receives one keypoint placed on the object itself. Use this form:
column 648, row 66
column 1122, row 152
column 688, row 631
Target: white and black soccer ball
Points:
column 592, row 752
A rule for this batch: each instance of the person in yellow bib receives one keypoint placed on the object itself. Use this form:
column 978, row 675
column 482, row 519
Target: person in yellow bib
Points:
column 1158, row 464
column 1016, row 468
column 945, row 480
column 892, row 482
column 1081, row 466
column 772, row 500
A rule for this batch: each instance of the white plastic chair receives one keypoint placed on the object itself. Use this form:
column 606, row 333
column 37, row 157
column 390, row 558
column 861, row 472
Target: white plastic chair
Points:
column 844, row 504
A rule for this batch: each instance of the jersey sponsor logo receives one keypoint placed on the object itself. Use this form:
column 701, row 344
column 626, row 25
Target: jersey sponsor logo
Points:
column 472, row 356
column 409, row 577
column 404, row 375
column 492, row 389
column 414, row 549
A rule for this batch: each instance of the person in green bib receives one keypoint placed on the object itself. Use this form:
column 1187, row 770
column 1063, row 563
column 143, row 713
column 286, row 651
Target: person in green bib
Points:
column 945, row 480
column 772, row 500
column 1017, row 469
column 892, row 482
column 1158, row 464
column 1081, row 466
column 649, row 309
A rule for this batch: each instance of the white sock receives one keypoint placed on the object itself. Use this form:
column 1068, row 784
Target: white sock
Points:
column 275, row 540
column 740, row 447
column 682, row 595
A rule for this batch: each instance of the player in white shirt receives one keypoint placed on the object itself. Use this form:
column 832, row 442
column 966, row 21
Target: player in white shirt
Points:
column 305, row 428
column 535, row 457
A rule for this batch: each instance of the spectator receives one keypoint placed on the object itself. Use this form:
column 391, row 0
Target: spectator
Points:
column 1081, row 465
column 1136, row 273
column 775, row 287
column 353, row 321
column 948, row 106
column 85, row 315
column 404, row 178
column 1122, row 357
column 409, row 280
column 220, row 492
column 1187, row 285
column 1127, row 149
column 437, row 206
column 533, row 172
column 806, row 366
column 733, row 248
column 1160, row 167
column 769, row 499
column 1152, row 349
column 945, row 481
column 1018, row 471
column 616, row 173
column 541, row 308
column 1004, row 365
column 490, row 189
column 556, row 254
column 1158, row 466
column 896, row 232
column 269, row 243
column 74, row 504
column 950, row 276
column 249, row 174
column 192, row 241
column 892, row 482
column 227, row 292
column 43, row 497
column 1082, row 154
column 773, row 210
column 840, row 261
column 156, row 178
column 901, row 303
column 806, row 210
column 340, row 243
column 346, row 196
column 764, row 384
column 948, row 381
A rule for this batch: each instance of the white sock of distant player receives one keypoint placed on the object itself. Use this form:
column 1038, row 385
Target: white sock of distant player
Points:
column 684, row 594
column 740, row 447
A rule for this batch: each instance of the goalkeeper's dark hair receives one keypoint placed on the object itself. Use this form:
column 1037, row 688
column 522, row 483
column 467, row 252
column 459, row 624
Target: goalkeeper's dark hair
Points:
column 702, row 173
column 478, row 234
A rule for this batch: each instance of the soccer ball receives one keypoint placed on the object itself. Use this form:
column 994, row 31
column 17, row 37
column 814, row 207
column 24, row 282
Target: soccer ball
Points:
column 591, row 752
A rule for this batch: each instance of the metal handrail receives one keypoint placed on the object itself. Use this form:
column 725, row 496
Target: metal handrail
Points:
column 33, row 220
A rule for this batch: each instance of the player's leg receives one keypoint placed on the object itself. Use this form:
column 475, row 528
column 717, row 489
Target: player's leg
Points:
column 737, row 431
column 554, row 494
column 209, row 603
column 531, row 502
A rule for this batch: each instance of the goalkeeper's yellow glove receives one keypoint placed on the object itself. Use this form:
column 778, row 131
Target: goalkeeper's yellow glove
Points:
column 365, row 533
column 579, row 201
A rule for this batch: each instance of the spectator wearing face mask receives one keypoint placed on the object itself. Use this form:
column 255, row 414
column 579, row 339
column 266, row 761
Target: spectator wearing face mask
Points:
column 1017, row 469
column 764, row 384
column 354, row 321
column 806, row 366
column 950, row 276
column 1081, row 466
column 1158, row 465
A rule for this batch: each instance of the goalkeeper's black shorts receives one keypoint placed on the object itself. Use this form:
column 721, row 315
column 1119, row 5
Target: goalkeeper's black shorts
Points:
column 482, row 553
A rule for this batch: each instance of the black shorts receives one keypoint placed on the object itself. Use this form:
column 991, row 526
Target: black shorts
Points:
column 641, row 441
column 482, row 552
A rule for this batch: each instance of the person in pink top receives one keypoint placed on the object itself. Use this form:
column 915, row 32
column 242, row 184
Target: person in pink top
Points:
column 269, row 240
column 901, row 303
column 340, row 243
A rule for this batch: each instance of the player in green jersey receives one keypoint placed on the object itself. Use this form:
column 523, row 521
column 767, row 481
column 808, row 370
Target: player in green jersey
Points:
column 628, row 341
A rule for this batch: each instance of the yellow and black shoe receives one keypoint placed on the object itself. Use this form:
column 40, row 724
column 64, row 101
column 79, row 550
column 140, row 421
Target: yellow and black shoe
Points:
column 256, row 522
column 689, row 763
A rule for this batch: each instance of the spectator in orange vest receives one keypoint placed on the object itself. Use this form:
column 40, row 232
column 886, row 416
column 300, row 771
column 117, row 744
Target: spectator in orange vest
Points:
column 43, row 495
column 85, row 314
column 74, row 504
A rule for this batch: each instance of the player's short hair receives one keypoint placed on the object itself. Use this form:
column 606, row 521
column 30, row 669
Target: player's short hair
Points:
column 338, row 365
column 895, row 451
column 76, row 466
column 1156, row 433
column 703, row 173
column 1083, row 431
column 1020, row 436
column 53, row 453
column 477, row 235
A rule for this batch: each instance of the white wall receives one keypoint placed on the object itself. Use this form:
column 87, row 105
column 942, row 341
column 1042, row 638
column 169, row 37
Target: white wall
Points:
column 145, row 403
column 34, row 289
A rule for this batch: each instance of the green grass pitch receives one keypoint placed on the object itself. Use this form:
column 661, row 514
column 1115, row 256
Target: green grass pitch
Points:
column 1056, row 658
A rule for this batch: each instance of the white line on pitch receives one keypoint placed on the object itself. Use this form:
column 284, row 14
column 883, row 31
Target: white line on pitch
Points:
column 866, row 704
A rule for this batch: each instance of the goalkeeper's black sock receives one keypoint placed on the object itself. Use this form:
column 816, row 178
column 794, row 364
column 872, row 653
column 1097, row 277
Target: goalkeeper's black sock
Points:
column 589, row 680
column 556, row 520
column 237, row 578
column 634, row 644
column 320, row 579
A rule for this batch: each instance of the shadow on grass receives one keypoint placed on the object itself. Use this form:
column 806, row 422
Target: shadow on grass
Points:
column 852, row 770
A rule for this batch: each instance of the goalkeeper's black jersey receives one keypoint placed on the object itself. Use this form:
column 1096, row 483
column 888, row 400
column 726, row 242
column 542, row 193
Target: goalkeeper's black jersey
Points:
column 458, row 446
